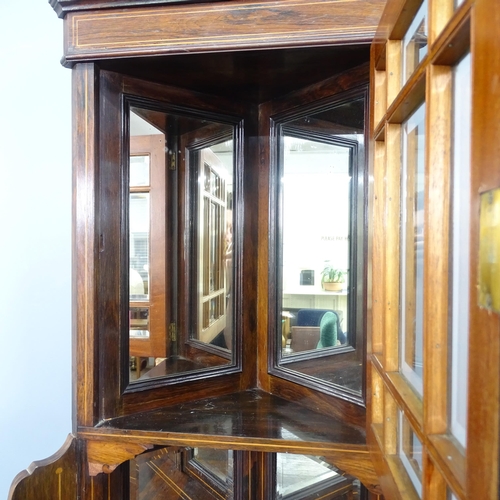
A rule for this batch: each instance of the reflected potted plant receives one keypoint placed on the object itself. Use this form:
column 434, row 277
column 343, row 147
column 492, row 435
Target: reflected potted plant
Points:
column 332, row 278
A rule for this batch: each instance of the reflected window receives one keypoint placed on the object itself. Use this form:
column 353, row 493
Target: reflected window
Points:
column 214, row 238
column 139, row 246
column 412, row 248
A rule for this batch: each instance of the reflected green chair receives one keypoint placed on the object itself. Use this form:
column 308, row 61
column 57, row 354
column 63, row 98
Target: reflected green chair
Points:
column 328, row 330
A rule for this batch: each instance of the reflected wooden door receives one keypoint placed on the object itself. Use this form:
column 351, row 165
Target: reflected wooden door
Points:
column 147, row 227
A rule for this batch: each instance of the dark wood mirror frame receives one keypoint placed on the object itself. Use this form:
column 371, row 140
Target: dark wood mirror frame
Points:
column 112, row 199
column 355, row 350
column 180, row 258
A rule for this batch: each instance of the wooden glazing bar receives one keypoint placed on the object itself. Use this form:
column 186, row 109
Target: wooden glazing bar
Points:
column 390, row 425
column 433, row 483
column 378, row 248
column 439, row 13
column 449, row 460
column 392, row 254
column 406, row 491
column 408, row 400
column 377, row 396
column 437, row 229
column 380, row 102
column 393, row 69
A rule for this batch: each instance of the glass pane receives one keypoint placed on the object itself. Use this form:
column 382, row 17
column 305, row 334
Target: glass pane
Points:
column 296, row 474
column 412, row 248
column 320, row 193
column 139, row 246
column 139, row 322
column 415, row 42
column 139, row 171
column 217, row 462
column 460, row 247
column 410, row 452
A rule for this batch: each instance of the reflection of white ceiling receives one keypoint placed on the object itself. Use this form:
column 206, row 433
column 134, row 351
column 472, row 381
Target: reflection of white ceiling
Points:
column 138, row 126
column 224, row 151
column 303, row 156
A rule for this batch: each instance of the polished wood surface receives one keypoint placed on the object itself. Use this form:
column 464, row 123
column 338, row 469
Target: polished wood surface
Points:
column 54, row 478
column 249, row 76
column 84, row 248
column 62, row 7
column 437, row 271
column 242, row 418
column 206, row 27
column 103, row 457
column 250, row 420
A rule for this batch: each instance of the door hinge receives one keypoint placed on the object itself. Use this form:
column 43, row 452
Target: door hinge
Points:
column 172, row 163
column 172, row 332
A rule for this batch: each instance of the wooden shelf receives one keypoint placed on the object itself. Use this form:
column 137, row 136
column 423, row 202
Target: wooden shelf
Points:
column 250, row 420
column 247, row 421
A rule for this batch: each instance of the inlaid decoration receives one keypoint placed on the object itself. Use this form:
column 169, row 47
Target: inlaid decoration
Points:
column 218, row 26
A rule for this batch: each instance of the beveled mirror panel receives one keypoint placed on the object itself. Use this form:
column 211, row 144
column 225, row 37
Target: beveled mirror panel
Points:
column 308, row 477
column 180, row 216
column 320, row 193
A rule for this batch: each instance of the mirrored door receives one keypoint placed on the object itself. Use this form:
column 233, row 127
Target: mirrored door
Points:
column 180, row 177
column 320, row 240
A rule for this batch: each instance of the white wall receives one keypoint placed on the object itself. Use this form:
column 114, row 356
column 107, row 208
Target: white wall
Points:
column 35, row 237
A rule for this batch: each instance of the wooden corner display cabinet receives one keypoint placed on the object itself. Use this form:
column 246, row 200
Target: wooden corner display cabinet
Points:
column 226, row 154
